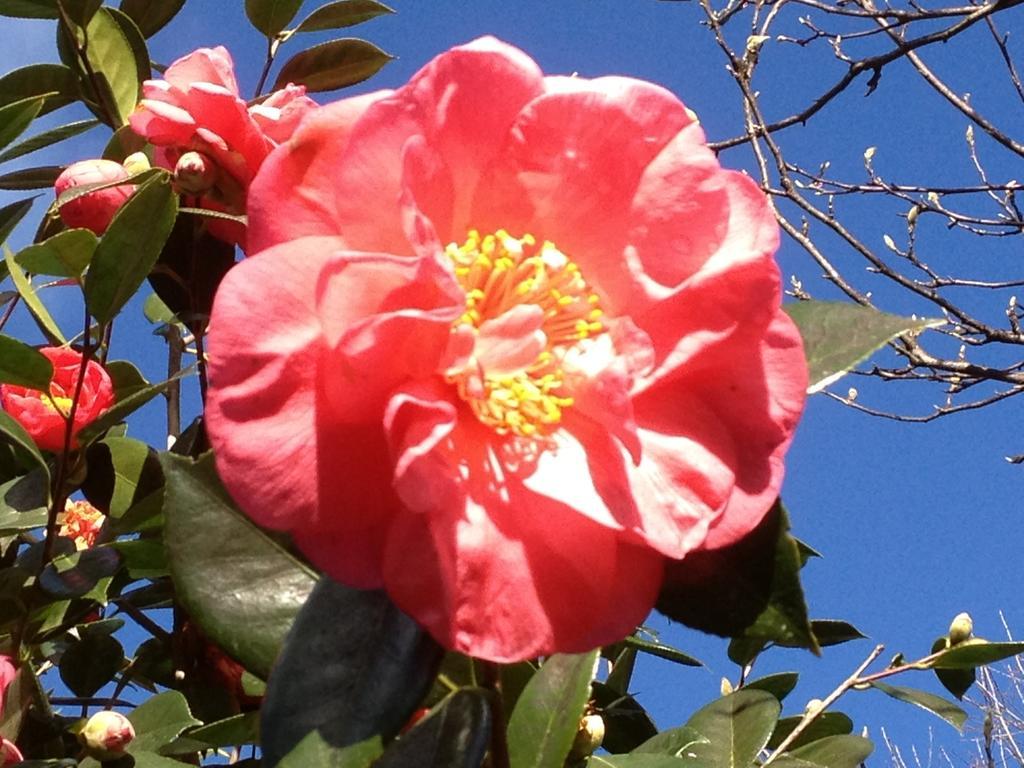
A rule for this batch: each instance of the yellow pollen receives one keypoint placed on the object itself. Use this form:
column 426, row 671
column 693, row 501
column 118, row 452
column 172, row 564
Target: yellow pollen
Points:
column 499, row 272
column 60, row 404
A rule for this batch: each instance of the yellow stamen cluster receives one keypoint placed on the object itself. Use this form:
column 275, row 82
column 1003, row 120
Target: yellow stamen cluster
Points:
column 499, row 272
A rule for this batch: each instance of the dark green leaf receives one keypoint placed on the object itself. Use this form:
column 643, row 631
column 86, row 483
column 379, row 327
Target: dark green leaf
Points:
column 673, row 741
column 830, row 752
column 28, row 294
column 31, row 178
column 66, row 254
column 353, row 666
column 24, row 502
column 642, row 760
column 29, row 9
column 16, row 117
column 834, row 632
column 825, row 724
column 662, row 651
column 78, row 573
column 240, row 729
column 150, row 16
column 114, row 64
column 27, row 451
column 937, row 705
column 130, row 248
column 838, row 335
column 627, row 724
column 778, row 685
column 47, row 138
column 159, row 721
column 81, row 11
column 455, row 734
column 24, row 366
column 736, row 726
column 543, row 725
column 332, row 65
column 130, row 470
column 11, row 214
column 342, row 13
column 126, row 406
column 756, row 583
column 144, row 558
column 271, row 16
column 314, row 751
column 55, row 81
column 956, row 681
column 126, row 378
column 128, row 27
column 91, row 663
column 975, row 653
column 242, row 588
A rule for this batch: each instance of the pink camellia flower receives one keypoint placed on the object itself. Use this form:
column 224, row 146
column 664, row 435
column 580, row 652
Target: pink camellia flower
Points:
column 506, row 343
column 81, row 522
column 197, row 108
column 93, row 210
column 44, row 414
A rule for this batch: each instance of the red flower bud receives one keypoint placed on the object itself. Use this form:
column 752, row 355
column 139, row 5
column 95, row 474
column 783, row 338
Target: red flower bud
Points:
column 9, row 753
column 106, row 734
column 44, row 414
column 93, row 210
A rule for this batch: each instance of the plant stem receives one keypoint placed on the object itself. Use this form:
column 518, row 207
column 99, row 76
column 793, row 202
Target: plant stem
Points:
column 491, row 681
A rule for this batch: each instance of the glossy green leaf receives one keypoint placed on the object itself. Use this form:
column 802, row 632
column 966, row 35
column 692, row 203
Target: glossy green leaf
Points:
column 79, row 573
column 937, row 705
column 342, row 13
column 232, row 731
column 975, row 653
column 830, row 752
column 543, row 725
column 16, row 117
column 134, row 472
column 779, row 685
column 353, row 665
column 66, row 254
column 314, row 751
column 662, row 651
column 834, row 632
column 90, row 663
column 29, row 9
column 126, row 405
column 634, row 760
column 142, row 558
column 112, row 58
column 627, row 724
column 737, row 728
column 159, row 721
column 23, row 365
column 332, row 65
column 130, row 248
column 271, row 16
column 150, row 16
column 11, row 214
column 24, row 501
column 838, row 335
column 672, row 741
column 756, row 583
column 136, row 41
column 28, row 294
column 25, row 447
column 81, row 11
column 56, row 81
column 825, row 724
column 248, row 608
column 455, row 734
column 41, row 177
column 47, row 138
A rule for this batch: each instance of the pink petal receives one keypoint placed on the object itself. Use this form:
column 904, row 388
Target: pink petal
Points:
column 206, row 65
column 280, row 114
column 162, row 123
column 226, row 116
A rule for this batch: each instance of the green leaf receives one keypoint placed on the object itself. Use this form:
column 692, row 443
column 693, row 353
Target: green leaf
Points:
column 737, row 728
column 975, row 653
column 11, row 214
column 150, row 16
column 353, row 666
column 332, row 65
column 81, row 11
column 159, row 721
column 24, row 502
column 830, row 752
column 31, row 178
column 342, row 13
column 672, row 741
column 133, row 470
column 627, row 724
column 838, row 335
column 24, row 366
column 455, row 734
column 314, row 751
column 144, row 558
column 29, row 9
column 543, row 725
column 937, row 705
column 662, row 651
column 16, row 117
column 779, row 685
column 54, row 81
column 232, row 731
column 246, row 608
column 25, row 447
column 834, row 632
column 35, row 305
column 66, row 254
column 756, row 583
column 79, row 573
column 91, row 663
column 126, row 405
column 130, row 248
column 825, row 724
column 271, row 16
column 47, row 138
column 156, row 311
column 642, row 760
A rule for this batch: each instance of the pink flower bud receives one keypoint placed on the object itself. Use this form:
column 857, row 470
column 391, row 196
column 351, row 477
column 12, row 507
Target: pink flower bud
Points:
column 106, row 734
column 9, row 753
column 195, row 173
column 93, row 210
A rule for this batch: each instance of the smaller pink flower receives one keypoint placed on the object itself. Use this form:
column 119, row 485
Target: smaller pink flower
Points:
column 8, row 671
column 94, row 210
column 44, row 414
column 106, row 734
column 9, row 753
column 197, row 108
column 81, row 522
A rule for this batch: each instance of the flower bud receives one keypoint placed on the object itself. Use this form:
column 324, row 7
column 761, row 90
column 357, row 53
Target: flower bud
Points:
column 961, row 628
column 106, row 734
column 588, row 737
column 9, row 754
column 136, row 162
column 93, row 210
column 195, row 173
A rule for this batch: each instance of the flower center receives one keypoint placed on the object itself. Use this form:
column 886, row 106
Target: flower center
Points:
column 61, row 405
column 526, row 306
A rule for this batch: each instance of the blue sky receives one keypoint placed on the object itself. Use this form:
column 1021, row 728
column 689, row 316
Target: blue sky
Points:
column 916, row 522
